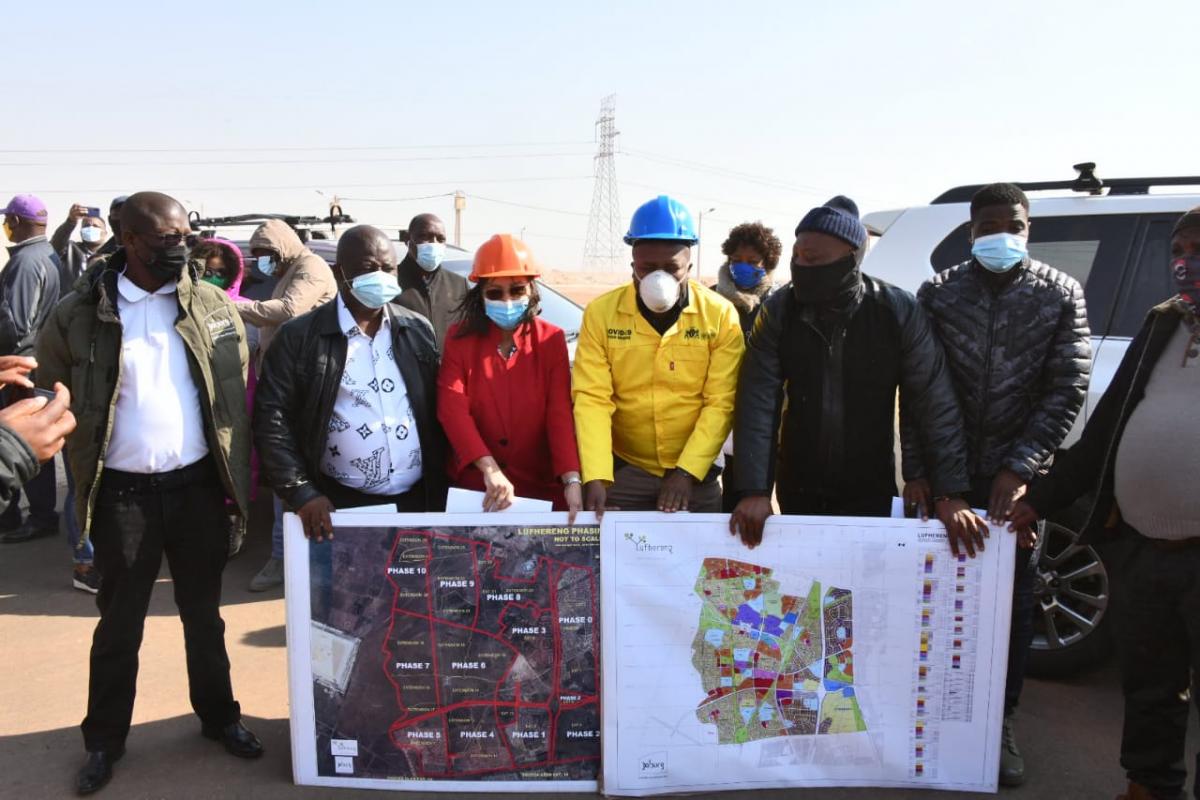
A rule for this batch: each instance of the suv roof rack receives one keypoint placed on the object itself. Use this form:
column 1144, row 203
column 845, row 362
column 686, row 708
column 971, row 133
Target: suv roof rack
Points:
column 1086, row 181
column 335, row 218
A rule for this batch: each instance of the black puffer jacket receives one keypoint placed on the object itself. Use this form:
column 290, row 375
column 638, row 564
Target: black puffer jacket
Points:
column 837, row 430
column 1019, row 352
column 298, row 387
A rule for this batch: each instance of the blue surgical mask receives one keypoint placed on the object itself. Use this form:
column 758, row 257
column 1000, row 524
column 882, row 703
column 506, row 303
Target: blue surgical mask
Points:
column 746, row 275
column 375, row 289
column 90, row 234
column 430, row 255
column 266, row 265
column 506, row 313
column 1000, row 252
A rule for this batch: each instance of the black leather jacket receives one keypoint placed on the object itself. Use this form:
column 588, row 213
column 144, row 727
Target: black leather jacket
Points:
column 296, row 391
column 1019, row 352
column 837, row 430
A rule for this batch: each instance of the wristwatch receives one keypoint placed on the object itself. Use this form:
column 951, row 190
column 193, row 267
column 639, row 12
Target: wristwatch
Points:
column 569, row 481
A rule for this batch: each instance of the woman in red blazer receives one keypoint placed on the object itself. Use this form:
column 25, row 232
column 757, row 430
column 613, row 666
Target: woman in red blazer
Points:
column 504, row 390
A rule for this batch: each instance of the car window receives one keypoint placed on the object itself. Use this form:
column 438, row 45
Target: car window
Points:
column 1092, row 249
column 1149, row 282
column 561, row 312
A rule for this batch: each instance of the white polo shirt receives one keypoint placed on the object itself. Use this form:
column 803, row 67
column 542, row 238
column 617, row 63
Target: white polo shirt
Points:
column 158, row 425
column 373, row 444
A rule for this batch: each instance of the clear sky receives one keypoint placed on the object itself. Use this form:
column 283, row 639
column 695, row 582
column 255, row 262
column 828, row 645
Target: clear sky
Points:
column 760, row 110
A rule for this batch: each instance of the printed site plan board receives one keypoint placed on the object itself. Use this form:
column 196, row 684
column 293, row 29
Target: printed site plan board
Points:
column 454, row 652
column 839, row 652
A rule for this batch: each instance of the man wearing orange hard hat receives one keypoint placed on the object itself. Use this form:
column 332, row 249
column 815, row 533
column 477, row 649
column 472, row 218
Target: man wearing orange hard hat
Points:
column 504, row 390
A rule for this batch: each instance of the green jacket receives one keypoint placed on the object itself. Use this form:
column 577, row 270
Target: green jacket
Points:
column 80, row 346
column 17, row 465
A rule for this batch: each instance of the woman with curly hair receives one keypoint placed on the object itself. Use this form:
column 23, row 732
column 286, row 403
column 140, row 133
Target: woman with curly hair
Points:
column 752, row 252
column 504, row 389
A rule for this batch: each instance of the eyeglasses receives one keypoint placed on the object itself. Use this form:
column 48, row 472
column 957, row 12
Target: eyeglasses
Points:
column 502, row 293
column 163, row 240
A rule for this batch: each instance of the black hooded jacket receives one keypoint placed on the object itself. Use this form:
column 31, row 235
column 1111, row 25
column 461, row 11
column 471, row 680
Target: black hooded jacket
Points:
column 837, row 435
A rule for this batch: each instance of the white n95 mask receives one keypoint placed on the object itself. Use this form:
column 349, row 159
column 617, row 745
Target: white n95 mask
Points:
column 659, row 291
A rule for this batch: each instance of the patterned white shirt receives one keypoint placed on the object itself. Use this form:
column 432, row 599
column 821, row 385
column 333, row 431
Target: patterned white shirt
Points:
column 373, row 445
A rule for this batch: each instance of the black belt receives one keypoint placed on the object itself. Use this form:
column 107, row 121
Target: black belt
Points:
column 139, row 483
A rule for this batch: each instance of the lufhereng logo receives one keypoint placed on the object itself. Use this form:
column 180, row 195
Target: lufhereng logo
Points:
column 641, row 543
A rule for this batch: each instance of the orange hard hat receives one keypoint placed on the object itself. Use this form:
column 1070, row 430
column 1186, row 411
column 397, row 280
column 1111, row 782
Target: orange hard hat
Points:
column 504, row 256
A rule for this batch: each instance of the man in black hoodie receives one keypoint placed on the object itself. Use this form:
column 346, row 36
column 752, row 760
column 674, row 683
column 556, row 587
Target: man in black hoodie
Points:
column 841, row 343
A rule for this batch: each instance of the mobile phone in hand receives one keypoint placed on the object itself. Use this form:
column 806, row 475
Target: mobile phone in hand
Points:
column 93, row 211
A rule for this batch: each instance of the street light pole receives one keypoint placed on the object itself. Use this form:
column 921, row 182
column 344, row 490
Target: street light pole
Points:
column 700, row 236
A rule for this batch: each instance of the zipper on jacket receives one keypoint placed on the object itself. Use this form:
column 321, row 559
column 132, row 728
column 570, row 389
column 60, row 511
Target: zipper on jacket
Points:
column 109, row 416
column 831, row 392
column 987, row 377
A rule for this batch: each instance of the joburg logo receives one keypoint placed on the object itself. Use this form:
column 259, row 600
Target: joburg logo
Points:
column 695, row 333
column 641, row 543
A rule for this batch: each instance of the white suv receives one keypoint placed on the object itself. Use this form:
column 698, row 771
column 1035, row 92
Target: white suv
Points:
column 1113, row 236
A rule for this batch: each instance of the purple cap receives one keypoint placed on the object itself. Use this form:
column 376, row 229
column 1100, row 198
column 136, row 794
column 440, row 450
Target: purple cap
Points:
column 26, row 206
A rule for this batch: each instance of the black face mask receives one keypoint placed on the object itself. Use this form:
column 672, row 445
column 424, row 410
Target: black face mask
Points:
column 826, row 284
column 168, row 264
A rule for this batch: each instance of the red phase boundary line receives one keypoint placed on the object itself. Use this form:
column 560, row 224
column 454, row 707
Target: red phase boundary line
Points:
column 555, row 570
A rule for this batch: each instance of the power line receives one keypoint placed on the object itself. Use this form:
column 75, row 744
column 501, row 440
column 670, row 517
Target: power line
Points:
column 719, row 201
column 306, row 161
column 724, row 172
column 526, row 205
column 314, row 186
column 293, row 149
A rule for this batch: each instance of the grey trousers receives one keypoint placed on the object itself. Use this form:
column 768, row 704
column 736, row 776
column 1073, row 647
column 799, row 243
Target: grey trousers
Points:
column 634, row 489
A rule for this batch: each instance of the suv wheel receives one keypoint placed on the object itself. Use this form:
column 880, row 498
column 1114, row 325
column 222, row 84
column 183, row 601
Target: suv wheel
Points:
column 1070, row 604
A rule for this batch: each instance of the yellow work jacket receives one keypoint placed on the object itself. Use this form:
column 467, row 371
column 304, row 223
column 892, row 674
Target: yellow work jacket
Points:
column 657, row 402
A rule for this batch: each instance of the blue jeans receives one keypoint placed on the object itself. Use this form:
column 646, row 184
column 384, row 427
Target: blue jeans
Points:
column 277, row 528
column 81, row 555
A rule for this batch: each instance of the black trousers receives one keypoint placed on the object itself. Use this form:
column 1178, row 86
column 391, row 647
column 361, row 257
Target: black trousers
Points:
column 138, row 519
column 1156, row 614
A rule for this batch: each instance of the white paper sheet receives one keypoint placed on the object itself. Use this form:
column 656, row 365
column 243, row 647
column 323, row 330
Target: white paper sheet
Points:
column 465, row 501
column 839, row 652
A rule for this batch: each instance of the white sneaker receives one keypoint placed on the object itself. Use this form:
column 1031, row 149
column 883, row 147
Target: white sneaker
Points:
column 270, row 576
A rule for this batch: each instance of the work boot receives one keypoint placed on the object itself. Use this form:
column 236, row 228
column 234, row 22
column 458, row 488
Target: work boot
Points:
column 270, row 576
column 27, row 531
column 1138, row 792
column 1012, row 765
column 86, row 578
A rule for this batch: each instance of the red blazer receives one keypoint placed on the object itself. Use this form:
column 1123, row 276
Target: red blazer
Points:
column 517, row 410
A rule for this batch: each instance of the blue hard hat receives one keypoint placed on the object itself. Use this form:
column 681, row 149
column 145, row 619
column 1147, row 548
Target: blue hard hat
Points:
column 662, row 218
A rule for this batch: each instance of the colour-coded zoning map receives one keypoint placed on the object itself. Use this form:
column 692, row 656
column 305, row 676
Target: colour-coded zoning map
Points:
column 456, row 653
column 773, row 664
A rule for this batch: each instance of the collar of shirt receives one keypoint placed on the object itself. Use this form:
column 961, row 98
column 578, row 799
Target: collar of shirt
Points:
column 347, row 323
column 133, row 293
column 15, row 246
